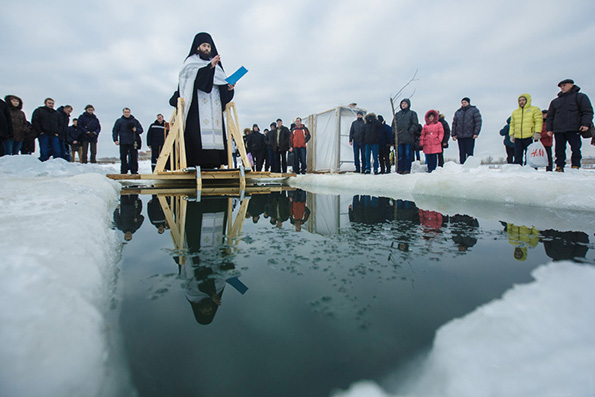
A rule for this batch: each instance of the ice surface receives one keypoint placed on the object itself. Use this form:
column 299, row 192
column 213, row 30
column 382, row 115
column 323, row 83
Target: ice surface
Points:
column 537, row 340
column 57, row 275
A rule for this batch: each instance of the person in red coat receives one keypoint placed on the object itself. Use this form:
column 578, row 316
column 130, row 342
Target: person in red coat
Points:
column 547, row 141
column 431, row 139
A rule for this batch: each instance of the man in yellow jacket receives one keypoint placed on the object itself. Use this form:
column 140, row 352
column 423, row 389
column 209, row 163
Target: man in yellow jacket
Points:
column 525, row 126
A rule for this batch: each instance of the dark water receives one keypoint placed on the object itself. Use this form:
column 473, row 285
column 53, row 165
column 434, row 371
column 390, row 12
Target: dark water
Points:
column 357, row 293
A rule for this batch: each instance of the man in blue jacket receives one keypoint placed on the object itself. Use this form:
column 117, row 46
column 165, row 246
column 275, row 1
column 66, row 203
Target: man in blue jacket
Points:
column 124, row 133
column 465, row 128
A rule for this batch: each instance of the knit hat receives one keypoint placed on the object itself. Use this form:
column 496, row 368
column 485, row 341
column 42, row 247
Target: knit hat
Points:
column 360, row 113
column 466, row 99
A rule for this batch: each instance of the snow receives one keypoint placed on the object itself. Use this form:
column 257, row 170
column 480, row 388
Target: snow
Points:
column 59, row 287
column 56, row 278
column 537, row 340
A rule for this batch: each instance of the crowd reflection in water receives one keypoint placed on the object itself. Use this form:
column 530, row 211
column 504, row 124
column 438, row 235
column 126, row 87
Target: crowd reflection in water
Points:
column 127, row 216
column 408, row 222
column 205, row 249
column 558, row 246
column 278, row 207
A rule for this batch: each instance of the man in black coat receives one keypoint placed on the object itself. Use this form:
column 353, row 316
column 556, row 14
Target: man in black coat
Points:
column 48, row 125
column 64, row 112
column 73, row 136
column 90, row 128
column 257, row 146
column 568, row 115
column 356, row 139
column 281, row 140
column 372, row 130
column 124, row 133
column 6, row 132
column 156, row 139
column 446, row 129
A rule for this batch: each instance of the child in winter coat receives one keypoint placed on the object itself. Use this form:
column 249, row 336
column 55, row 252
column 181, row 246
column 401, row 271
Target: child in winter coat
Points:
column 431, row 139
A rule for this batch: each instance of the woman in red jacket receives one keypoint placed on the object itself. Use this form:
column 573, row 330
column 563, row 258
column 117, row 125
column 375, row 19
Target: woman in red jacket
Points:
column 431, row 139
column 547, row 142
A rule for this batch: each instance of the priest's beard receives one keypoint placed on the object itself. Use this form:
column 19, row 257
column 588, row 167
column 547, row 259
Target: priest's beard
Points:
column 204, row 55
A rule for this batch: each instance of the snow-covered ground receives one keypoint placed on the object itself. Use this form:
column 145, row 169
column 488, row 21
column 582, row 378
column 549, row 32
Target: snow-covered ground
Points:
column 59, row 287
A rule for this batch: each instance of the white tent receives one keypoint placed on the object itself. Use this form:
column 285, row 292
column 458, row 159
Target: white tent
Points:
column 329, row 149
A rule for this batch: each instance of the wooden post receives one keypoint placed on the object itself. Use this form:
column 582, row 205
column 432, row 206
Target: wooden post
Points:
column 174, row 147
column 233, row 126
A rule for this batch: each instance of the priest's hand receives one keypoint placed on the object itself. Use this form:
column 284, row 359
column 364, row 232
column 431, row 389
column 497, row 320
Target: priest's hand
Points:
column 215, row 61
column 230, row 87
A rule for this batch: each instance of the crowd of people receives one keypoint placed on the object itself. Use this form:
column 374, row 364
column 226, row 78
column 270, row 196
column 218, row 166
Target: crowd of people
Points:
column 568, row 120
column 276, row 148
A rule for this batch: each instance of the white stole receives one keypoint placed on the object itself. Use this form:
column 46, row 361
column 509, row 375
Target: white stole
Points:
column 209, row 104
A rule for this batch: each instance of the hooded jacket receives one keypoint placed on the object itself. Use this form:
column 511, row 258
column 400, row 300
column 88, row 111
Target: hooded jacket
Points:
column 20, row 126
column 406, row 124
column 466, row 122
column 569, row 111
column 432, row 134
column 525, row 121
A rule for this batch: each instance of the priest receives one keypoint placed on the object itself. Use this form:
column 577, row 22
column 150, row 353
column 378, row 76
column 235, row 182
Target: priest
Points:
column 205, row 91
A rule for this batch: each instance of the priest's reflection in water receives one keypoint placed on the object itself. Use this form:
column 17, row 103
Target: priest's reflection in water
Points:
column 127, row 216
column 156, row 215
column 208, row 267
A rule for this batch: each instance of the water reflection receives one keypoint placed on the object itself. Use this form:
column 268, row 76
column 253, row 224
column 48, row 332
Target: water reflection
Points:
column 351, row 288
column 127, row 216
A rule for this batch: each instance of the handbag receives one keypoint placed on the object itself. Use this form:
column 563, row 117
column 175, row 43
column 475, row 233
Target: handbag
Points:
column 536, row 155
column 590, row 133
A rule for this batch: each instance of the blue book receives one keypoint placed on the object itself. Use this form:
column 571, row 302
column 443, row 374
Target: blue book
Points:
column 237, row 75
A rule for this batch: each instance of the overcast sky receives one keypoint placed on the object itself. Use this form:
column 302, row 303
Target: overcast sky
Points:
column 303, row 57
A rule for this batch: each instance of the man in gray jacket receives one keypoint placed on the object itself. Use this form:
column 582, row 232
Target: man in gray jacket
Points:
column 465, row 128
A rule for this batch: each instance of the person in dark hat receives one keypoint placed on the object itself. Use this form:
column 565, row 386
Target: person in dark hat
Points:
column 568, row 115
column 203, row 86
column 466, row 125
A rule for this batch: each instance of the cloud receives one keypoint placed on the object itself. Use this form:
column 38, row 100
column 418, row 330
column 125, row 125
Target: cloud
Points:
column 302, row 57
